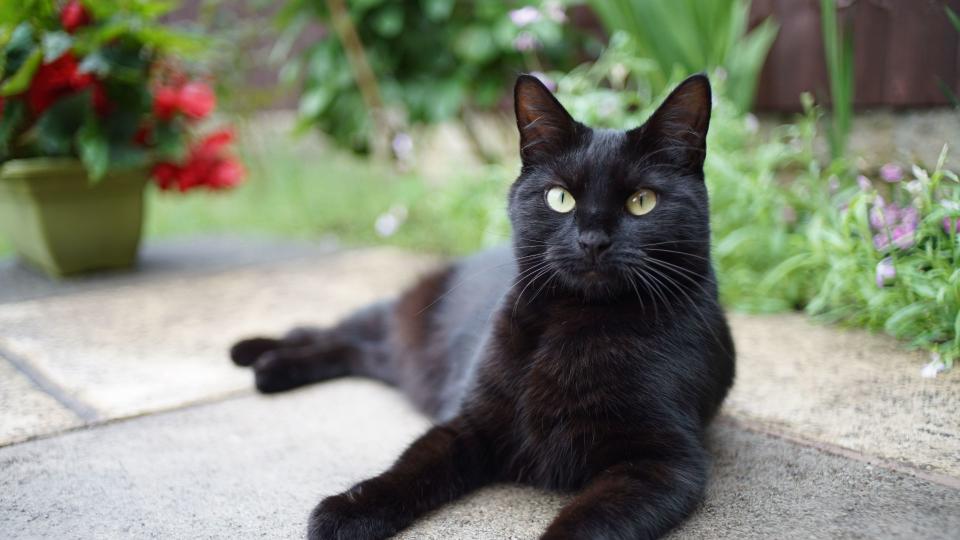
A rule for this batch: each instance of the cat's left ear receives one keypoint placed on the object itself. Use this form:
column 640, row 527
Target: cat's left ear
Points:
column 677, row 131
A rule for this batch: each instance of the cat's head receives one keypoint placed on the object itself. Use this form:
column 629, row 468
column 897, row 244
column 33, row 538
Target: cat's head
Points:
column 605, row 212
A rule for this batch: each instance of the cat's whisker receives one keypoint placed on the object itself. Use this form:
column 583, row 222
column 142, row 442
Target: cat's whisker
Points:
column 529, row 282
column 696, row 308
column 679, row 268
column 685, row 254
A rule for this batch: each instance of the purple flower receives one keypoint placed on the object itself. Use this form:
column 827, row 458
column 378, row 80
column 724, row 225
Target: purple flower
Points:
column 881, row 241
column 526, row 42
column 883, row 215
column 833, row 184
column 947, row 222
column 524, row 16
column 893, row 224
column 891, row 172
column 886, row 272
column 547, row 81
column 864, row 183
column 903, row 236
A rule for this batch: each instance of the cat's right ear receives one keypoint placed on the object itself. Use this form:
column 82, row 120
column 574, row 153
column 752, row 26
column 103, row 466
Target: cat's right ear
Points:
column 545, row 126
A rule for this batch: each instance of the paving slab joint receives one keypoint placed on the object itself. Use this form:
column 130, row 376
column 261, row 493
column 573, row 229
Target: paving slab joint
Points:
column 87, row 413
column 763, row 428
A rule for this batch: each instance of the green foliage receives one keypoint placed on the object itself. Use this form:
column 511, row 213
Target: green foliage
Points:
column 432, row 59
column 689, row 36
column 838, row 48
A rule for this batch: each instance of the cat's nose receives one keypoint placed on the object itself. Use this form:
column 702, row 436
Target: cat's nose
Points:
column 594, row 243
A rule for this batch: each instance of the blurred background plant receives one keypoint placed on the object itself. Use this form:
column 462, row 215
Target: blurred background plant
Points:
column 838, row 49
column 688, row 36
column 416, row 61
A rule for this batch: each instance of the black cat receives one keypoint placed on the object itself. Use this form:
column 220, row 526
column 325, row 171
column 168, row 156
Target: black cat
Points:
column 589, row 357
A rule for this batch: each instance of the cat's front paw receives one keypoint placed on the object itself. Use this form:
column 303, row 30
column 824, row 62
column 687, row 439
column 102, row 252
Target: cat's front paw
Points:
column 247, row 351
column 341, row 517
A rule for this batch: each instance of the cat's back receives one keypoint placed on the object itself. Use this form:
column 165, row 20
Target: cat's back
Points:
column 440, row 324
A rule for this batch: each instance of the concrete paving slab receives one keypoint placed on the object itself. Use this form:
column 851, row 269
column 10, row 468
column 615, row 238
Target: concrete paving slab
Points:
column 845, row 387
column 160, row 259
column 152, row 345
column 253, row 467
column 26, row 411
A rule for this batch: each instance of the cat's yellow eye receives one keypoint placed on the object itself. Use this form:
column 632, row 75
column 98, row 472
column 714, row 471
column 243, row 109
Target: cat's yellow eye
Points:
column 641, row 202
column 560, row 200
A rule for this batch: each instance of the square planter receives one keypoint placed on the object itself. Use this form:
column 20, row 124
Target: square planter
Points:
column 60, row 221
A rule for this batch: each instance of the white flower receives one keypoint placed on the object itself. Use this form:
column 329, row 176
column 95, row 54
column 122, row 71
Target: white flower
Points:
column 555, row 12
column 934, row 367
column 525, row 42
column 402, row 144
column 524, row 16
column 388, row 222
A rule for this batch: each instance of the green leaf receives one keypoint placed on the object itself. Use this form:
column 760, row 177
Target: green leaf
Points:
column 126, row 156
column 21, row 79
column 19, row 47
column 388, row 21
column 13, row 114
column 57, row 127
column 96, row 63
column 954, row 19
column 93, row 148
column 956, row 327
column 902, row 316
column 168, row 137
column 55, row 44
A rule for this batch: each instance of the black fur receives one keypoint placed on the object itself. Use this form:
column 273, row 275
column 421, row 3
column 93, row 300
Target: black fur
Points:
column 589, row 357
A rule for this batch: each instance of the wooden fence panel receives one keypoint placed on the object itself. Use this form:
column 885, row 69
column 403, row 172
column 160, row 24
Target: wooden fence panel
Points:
column 901, row 49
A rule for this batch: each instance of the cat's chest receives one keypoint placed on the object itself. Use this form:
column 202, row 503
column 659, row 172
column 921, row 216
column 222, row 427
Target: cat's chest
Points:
column 576, row 398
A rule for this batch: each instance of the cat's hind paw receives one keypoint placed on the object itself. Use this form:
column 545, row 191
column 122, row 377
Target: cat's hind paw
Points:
column 248, row 351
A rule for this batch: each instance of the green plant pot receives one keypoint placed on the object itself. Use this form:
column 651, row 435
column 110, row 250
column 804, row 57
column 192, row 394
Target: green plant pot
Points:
column 61, row 222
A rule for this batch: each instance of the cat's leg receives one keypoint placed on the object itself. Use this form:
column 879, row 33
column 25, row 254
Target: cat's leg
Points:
column 445, row 463
column 356, row 346
column 636, row 499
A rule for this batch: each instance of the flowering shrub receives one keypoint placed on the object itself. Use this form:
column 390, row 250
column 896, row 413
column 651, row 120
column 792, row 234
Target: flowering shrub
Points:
column 100, row 80
column 431, row 60
column 889, row 258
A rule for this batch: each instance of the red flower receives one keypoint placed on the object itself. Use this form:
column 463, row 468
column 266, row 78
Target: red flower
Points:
column 166, row 101
column 214, row 142
column 55, row 80
column 208, row 165
column 227, row 173
column 143, row 136
column 101, row 103
column 166, row 174
column 73, row 16
column 197, row 100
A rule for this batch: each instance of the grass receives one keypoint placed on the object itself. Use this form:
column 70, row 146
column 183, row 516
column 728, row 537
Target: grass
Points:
column 299, row 194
